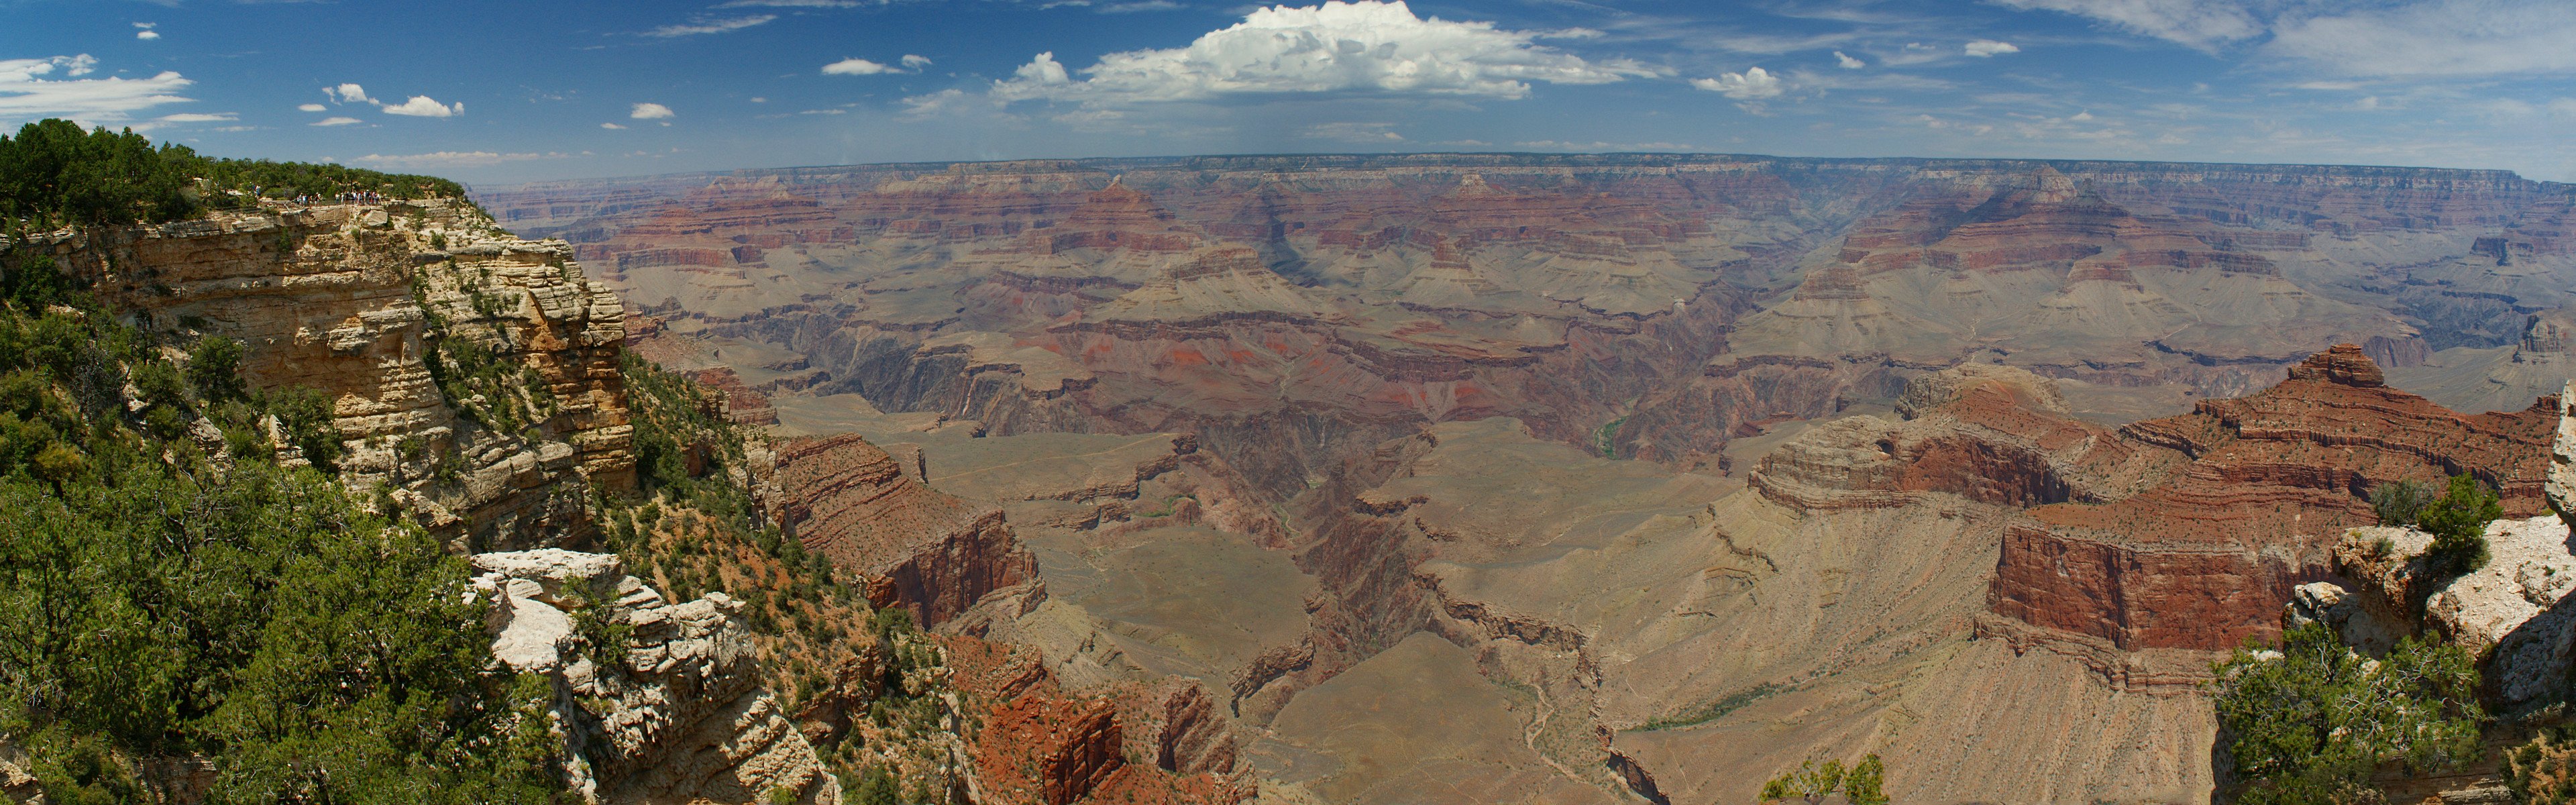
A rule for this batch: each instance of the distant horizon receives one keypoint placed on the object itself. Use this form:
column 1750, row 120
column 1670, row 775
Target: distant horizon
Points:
column 477, row 186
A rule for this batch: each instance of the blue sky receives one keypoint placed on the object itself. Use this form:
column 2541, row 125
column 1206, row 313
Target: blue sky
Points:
column 497, row 92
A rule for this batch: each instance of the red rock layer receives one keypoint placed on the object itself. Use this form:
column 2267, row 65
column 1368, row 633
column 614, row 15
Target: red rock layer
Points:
column 1040, row 744
column 916, row 547
column 2208, row 556
column 741, row 403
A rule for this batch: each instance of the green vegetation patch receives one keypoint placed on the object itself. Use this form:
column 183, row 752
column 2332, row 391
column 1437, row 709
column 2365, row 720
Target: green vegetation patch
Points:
column 1715, row 710
column 54, row 174
column 2310, row 721
column 165, row 594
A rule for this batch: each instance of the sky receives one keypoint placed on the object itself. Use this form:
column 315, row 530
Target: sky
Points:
column 506, row 91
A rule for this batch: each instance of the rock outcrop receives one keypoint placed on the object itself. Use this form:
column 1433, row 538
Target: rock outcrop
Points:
column 2208, row 555
column 917, row 548
column 472, row 373
column 675, row 713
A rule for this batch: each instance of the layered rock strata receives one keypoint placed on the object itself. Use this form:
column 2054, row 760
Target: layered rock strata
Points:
column 2205, row 557
column 917, row 548
column 372, row 305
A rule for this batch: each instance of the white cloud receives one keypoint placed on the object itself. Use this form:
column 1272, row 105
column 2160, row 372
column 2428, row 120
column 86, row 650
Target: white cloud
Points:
column 710, row 26
column 651, row 111
column 347, row 93
column 23, row 94
column 915, row 62
column 857, row 66
column 611, row 126
column 452, row 159
column 424, row 106
column 147, row 35
column 199, row 117
column 1983, row 48
column 2437, row 38
column 312, row 107
column 336, row 121
column 1365, row 46
column 1752, row 84
column 1139, row 5
column 2200, row 24
column 1848, row 62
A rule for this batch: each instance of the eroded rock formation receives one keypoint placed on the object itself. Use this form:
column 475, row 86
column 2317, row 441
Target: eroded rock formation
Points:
column 2206, row 557
column 917, row 548
column 676, row 714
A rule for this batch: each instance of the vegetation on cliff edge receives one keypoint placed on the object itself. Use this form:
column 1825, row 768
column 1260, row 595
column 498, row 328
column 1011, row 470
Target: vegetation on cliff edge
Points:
column 175, row 593
column 2310, row 721
column 54, row 174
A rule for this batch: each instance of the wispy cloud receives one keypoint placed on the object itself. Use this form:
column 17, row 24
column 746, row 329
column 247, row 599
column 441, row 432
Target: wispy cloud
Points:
column 27, row 90
column 651, row 111
column 453, row 159
column 2440, row 38
column 146, row 34
column 2200, row 24
column 336, row 121
column 710, row 26
column 1380, row 133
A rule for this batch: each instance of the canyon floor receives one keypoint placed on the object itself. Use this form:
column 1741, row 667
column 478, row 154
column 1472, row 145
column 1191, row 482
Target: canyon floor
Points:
column 1464, row 479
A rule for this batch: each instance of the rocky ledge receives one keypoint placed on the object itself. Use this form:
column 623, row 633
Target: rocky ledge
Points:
column 674, row 712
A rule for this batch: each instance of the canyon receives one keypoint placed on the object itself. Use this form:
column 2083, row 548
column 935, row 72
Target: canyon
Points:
column 1464, row 478
column 1409, row 478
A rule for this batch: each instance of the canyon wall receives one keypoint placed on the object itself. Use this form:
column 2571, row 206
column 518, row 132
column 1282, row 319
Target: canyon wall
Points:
column 378, row 307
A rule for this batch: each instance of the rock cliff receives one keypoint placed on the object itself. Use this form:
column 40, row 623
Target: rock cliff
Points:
column 917, row 548
column 2206, row 556
column 472, row 374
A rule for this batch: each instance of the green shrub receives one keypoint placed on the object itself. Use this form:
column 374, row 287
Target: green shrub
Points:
column 2310, row 721
column 214, row 368
column 1812, row 782
column 2398, row 502
column 2458, row 522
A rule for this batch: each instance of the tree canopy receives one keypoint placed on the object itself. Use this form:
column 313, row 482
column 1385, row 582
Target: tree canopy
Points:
column 53, row 173
column 2311, row 720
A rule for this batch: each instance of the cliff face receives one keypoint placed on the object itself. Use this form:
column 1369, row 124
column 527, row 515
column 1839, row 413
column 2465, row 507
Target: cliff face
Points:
column 918, row 548
column 2205, row 558
column 472, row 373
